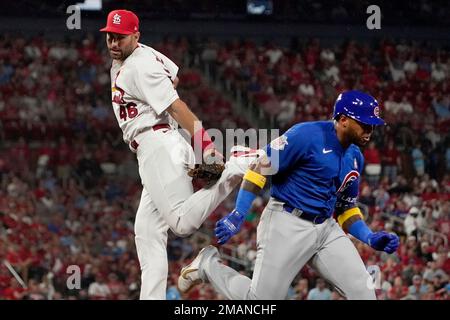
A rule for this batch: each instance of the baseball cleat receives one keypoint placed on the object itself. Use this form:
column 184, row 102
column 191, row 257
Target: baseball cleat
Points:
column 189, row 275
column 242, row 157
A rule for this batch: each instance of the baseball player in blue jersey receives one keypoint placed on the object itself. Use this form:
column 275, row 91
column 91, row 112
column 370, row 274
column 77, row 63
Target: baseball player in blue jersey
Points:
column 315, row 168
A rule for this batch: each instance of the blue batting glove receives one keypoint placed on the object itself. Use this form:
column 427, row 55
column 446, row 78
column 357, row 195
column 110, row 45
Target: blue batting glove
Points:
column 383, row 241
column 228, row 226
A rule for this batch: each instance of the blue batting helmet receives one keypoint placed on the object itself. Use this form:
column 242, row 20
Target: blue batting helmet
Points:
column 359, row 106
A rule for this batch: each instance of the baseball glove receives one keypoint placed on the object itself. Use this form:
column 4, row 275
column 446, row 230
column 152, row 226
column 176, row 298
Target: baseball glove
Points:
column 208, row 172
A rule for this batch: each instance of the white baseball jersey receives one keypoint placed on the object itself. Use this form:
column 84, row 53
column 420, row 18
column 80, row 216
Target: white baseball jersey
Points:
column 142, row 90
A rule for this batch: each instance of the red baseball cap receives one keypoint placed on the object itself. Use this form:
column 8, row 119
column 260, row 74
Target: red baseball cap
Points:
column 121, row 21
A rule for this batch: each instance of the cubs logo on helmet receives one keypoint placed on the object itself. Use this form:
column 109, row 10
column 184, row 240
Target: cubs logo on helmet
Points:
column 359, row 106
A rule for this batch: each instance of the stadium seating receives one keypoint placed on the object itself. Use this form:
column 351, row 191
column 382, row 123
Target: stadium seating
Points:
column 70, row 187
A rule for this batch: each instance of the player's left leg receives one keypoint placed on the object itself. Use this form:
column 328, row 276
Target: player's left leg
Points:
column 284, row 243
column 151, row 246
column 164, row 158
column 339, row 263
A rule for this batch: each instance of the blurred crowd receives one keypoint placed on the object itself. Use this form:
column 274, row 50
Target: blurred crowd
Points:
column 70, row 186
column 301, row 83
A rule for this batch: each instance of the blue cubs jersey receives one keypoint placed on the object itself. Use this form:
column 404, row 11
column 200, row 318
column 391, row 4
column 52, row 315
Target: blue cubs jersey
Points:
column 314, row 173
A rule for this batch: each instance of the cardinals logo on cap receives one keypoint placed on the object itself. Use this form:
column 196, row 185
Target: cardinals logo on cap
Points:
column 116, row 18
column 121, row 22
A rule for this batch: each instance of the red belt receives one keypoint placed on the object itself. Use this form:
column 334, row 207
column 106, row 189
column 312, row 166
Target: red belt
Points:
column 156, row 127
column 161, row 126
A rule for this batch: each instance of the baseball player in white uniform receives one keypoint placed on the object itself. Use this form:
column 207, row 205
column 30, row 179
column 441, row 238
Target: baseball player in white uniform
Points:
column 148, row 110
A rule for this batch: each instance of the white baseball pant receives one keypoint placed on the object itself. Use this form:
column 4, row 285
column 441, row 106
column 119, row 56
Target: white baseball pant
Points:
column 168, row 201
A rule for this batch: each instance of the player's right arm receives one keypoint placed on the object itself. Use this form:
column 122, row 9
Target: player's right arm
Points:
column 155, row 84
column 281, row 154
column 189, row 121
